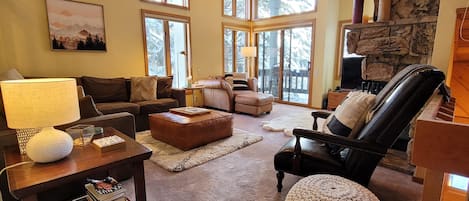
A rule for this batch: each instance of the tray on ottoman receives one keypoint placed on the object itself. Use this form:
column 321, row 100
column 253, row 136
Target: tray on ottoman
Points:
column 187, row 132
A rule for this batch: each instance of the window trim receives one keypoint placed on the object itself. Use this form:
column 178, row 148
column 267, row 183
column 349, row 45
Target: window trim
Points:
column 248, row 10
column 171, row 17
column 234, row 28
column 339, row 48
column 164, row 3
column 255, row 16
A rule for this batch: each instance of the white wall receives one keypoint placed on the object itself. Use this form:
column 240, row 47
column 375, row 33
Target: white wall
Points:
column 445, row 32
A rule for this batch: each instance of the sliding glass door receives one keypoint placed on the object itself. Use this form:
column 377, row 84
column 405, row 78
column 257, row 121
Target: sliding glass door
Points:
column 285, row 60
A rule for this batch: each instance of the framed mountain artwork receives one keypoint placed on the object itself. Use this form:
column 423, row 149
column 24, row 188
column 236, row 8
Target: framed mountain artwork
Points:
column 76, row 26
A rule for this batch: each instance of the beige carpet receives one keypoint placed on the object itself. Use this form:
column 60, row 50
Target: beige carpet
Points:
column 176, row 160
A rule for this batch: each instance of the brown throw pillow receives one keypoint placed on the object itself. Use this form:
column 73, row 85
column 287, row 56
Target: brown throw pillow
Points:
column 88, row 108
column 164, row 87
column 105, row 89
column 143, row 88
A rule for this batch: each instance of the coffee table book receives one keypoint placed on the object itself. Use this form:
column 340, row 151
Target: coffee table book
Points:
column 189, row 110
column 95, row 195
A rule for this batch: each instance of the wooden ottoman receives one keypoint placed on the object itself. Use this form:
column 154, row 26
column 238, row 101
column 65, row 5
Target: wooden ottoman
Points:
column 253, row 103
column 187, row 132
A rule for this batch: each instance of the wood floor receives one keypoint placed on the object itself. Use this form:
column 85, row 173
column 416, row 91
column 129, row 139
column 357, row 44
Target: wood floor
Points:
column 248, row 174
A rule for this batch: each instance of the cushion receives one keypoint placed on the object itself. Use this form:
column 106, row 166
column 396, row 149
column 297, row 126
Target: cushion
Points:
column 115, row 107
column 156, row 106
column 105, row 89
column 164, row 86
column 11, row 74
column 88, row 108
column 143, row 88
column 238, row 81
column 349, row 117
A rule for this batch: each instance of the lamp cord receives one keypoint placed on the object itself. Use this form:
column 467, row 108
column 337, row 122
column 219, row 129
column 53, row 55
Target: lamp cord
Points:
column 8, row 167
column 462, row 23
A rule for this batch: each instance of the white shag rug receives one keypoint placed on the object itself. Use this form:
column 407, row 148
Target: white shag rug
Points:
column 289, row 121
column 176, row 160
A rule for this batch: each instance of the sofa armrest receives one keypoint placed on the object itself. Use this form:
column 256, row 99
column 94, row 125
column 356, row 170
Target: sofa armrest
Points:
column 179, row 95
column 8, row 137
column 122, row 121
column 229, row 90
column 252, row 83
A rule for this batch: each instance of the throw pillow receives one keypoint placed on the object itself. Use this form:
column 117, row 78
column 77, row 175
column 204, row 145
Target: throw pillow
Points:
column 143, row 88
column 105, row 89
column 238, row 81
column 164, row 86
column 229, row 79
column 88, row 108
column 349, row 117
column 11, row 74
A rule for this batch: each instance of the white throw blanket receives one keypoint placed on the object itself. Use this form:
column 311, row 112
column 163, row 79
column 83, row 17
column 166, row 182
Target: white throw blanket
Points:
column 288, row 122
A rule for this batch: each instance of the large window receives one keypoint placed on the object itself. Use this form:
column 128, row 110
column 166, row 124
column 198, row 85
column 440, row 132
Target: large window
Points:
column 272, row 8
column 178, row 3
column 234, row 39
column 167, row 46
column 236, row 8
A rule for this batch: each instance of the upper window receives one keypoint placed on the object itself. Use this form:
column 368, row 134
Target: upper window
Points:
column 236, row 8
column 233, row 41
column 167, row 50
column 178, row 3
column 272, row 8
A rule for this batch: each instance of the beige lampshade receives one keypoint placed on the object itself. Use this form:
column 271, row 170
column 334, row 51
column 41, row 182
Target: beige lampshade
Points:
column 249, row 51
column 38, row 103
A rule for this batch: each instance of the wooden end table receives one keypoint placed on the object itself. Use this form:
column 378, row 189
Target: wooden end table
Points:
column 25, row 181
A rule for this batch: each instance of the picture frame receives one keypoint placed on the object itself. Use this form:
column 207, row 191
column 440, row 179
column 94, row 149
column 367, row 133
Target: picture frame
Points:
column 75, row 26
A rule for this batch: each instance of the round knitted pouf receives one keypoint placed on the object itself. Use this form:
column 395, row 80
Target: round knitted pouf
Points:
column 326, row 187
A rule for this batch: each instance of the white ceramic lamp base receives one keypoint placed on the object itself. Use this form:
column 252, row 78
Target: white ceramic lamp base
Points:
column 49, row 145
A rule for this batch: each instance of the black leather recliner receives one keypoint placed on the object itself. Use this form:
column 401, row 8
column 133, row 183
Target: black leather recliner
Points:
column 396, row 105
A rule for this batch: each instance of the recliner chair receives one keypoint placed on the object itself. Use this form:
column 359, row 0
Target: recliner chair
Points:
column 399, row 101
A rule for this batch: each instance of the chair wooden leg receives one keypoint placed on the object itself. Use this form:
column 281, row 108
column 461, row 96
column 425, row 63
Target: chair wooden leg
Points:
column 280, row 176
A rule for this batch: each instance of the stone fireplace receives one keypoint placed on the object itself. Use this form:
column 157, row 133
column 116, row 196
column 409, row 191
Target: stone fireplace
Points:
column 390, row 46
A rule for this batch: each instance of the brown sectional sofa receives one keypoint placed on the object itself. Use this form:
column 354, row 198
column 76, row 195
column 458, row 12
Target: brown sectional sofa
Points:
column 112, row 95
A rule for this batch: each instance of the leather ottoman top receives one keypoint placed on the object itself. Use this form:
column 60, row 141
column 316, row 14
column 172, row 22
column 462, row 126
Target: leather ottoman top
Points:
column 254, row 98
column 187, row 119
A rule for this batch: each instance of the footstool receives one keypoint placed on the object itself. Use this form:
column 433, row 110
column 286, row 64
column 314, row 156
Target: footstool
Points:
column 329, row 188
column 187, row 132
column 253, row 103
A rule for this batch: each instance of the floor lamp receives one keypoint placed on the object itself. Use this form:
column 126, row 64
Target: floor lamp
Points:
column 249, row 52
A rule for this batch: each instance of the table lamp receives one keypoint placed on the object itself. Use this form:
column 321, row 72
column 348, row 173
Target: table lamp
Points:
column 42, row 103
column 248, row 52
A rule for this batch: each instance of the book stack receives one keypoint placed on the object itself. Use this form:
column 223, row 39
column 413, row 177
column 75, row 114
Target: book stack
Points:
column 107, row 189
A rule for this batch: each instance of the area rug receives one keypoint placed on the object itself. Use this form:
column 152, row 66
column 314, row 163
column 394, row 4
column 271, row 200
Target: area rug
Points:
column 394, row 159
column 176, row 160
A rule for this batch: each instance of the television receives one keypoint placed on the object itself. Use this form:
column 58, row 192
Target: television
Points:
column 351, row 74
